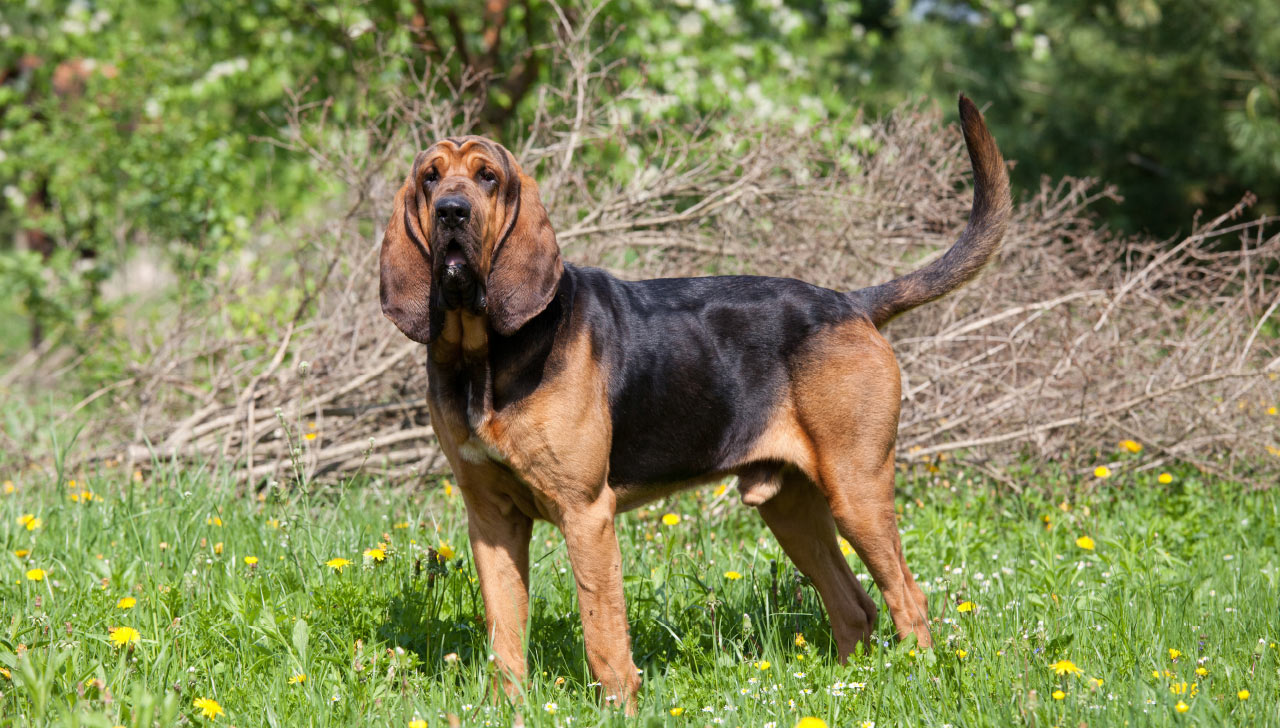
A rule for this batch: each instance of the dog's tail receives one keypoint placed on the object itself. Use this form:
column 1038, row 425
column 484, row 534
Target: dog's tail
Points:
column 978, row 242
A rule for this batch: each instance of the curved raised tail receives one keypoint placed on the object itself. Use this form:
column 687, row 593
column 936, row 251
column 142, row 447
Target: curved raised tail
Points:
column 979, row 241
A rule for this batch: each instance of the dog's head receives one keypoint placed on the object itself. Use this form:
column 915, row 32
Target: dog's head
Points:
column 468, row 230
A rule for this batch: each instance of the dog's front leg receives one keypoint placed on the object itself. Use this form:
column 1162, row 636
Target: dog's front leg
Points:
column 597, row 569
column 499, row 534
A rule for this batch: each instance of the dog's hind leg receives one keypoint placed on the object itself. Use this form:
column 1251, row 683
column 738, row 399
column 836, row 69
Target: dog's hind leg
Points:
column 801, row 521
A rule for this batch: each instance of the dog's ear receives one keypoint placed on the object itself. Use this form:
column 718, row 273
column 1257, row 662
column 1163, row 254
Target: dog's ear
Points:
column 405, row 277
column 526, row 267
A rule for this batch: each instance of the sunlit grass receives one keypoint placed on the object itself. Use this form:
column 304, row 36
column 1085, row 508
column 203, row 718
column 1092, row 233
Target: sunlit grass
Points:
column 174, row 598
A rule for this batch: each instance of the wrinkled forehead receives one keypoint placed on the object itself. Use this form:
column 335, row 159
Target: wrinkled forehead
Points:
column 462, row 155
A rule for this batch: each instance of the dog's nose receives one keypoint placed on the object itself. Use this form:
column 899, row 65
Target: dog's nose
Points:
column 453, row 211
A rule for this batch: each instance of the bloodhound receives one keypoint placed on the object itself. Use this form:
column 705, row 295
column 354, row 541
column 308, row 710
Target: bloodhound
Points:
column 563, row 393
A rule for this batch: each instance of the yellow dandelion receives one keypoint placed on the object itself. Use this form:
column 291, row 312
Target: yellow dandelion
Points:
column 1182, row 707
column 732, row 575
column 401, row 525
column 1131, row 445
column 208, row 707
column 1097, row 681
column 670, row 519
column 1178, row 688
column 1102, row 471
column 1272, row 410
column 445, row 550
column 448, row 487
column 845, row 548
column 677, row 712
column 1201, row 671
column 1243, row 695
column 273, row 522
column 1059, row 695
column 36, row 574
column 251, row 560
column 964, row 607
column 762, row 665
column 1174, row 654
column 126, row 603
column 22, row 553
column 962, row 654
column 811, row 722
column 30, row 522
column 1164, row 478
column 217, row 547
column 417, row 723
column 9, row 487
column 1085, row 543
column 298, row 679
column 121, row 636
column 213, row 521
column 376, row 554
column 1065, row 667
column 720, row 489
column 310, row 436
column 337, row 564
column 800, row 640
column 4, row 672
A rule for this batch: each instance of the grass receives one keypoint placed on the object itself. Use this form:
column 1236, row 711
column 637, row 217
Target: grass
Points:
column 1188, row 566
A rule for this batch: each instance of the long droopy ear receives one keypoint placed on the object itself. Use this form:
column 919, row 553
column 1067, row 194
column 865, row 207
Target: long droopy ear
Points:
column 526, row 267
column 405, row 281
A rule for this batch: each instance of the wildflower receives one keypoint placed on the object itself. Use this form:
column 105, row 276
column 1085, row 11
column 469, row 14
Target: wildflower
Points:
column 800, row 640
column 550, row 707
column 1065, row 667
column 251, row 560
column 1102, row 472
column 445, row 550
column 417, row 723
column 677, row 711
column 1201, row 671
column 22, row 553
column 1272, row 410
column 337, row 564
column 208, row 707
column 732, row 575
column 762, row 665
column 964, row 607
column 401, row 525
column 376, row 554
column 451, row 658
column 962, row 654
column 1243, row 695
column 670, row 519
column 1085, row 543
column 298, row 679
column 1131, row 446
column 1174, row 654
column 811, row 722
column 1059, row 695
column 1178, row 688
column 30, row 521
column 273, row 522
column 1182, row 707
column 126, row 603
column 8, row 487
column 1097, row 681
column 36, row 574
column 867, row 724
column 309, row 436
column 213, row 521
column 121, row 636
column 217, row 548
column 845, row 548
column 448, row 487
column 1165, row 478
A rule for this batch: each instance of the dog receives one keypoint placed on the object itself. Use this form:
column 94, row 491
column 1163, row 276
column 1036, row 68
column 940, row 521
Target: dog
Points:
column 562, row 393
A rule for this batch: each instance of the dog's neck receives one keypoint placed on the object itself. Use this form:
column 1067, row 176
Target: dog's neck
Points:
column 478, row 371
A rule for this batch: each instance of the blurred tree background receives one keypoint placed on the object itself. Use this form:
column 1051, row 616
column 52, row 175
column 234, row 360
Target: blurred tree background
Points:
column 145, row 127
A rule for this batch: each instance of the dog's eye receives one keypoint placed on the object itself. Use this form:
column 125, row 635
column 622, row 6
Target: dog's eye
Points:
column 486, row 175
column 432, row 176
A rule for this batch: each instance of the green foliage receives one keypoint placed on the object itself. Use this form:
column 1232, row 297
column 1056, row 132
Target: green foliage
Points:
column 1189, row 565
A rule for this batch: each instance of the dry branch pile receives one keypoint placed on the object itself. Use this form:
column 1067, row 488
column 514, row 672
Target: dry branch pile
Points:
column 1073, row 339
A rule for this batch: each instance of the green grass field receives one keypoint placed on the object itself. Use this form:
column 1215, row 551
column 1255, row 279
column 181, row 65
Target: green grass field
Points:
column 1170, row 616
